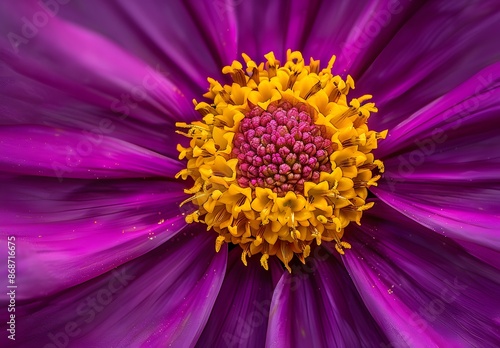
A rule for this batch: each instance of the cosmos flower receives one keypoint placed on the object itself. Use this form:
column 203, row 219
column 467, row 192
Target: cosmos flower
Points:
column 384, row 235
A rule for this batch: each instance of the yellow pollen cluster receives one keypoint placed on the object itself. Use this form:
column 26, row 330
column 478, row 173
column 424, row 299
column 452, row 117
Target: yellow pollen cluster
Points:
column 280, row 222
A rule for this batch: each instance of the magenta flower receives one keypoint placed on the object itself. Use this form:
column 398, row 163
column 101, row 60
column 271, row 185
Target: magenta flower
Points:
column 101, row 255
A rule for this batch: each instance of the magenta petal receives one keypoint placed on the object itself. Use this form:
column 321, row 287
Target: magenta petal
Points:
column 265, row 26
column 94, row 114
column 166, row 30
column 68, row 76
column 442, row 45
column 464, row 113
column 318, row 306
column 70, row 232
column 67, row 56
column 422, row 288
column 442, row 169
column 162, row 34
column 62, row 154
column 161, row 299
column 258, row 33
column 240, row 313
column 354, row 31
column 467, row 215
column 219, row 27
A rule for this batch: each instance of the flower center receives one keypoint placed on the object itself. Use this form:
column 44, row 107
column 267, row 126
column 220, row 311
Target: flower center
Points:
column 280, row 159
column 281, row 148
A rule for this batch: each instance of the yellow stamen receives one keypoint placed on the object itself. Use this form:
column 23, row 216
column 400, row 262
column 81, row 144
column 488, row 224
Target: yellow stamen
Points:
column 294, row 208
column 218, row 243
column 340, row 246
column 263, row 261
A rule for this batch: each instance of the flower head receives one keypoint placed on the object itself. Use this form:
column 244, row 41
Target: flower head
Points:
column 349, row 239
column 281, row 157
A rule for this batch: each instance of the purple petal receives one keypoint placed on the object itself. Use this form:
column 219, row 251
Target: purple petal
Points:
column 297, row 20
column 168, row 31
column 70, row 58
column 158, row 33
column 240, row 313
column 466, row 113
column 67, row 233
column 422, row 288
column 318, row 306
column 68, row 76
column 355, row 31
column 219, row 27
column 265, row 26
column 163, row 298
column 61, row 154
column 442, row 169
column 26, row 101
column 441, row 46
column 467, row 214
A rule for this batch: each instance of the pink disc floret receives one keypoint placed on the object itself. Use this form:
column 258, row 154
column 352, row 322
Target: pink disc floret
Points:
column 281, row 148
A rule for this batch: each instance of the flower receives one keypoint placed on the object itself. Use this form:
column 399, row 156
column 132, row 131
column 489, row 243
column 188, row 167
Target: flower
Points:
column 101, row 254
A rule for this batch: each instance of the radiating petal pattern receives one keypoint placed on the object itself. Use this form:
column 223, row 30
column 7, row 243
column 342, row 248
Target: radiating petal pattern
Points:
column 159, row 33
column 67, row 233
column 318, row 306
column 58, row 153
column 469, row 215
column 442, row 165
column 240, row 314
column 161, row 299
column 356, row 32
column 466, row 111
column 67, row 74
column 422, row 288
column 217, row 23
column 258, row 32
column 442, row 45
